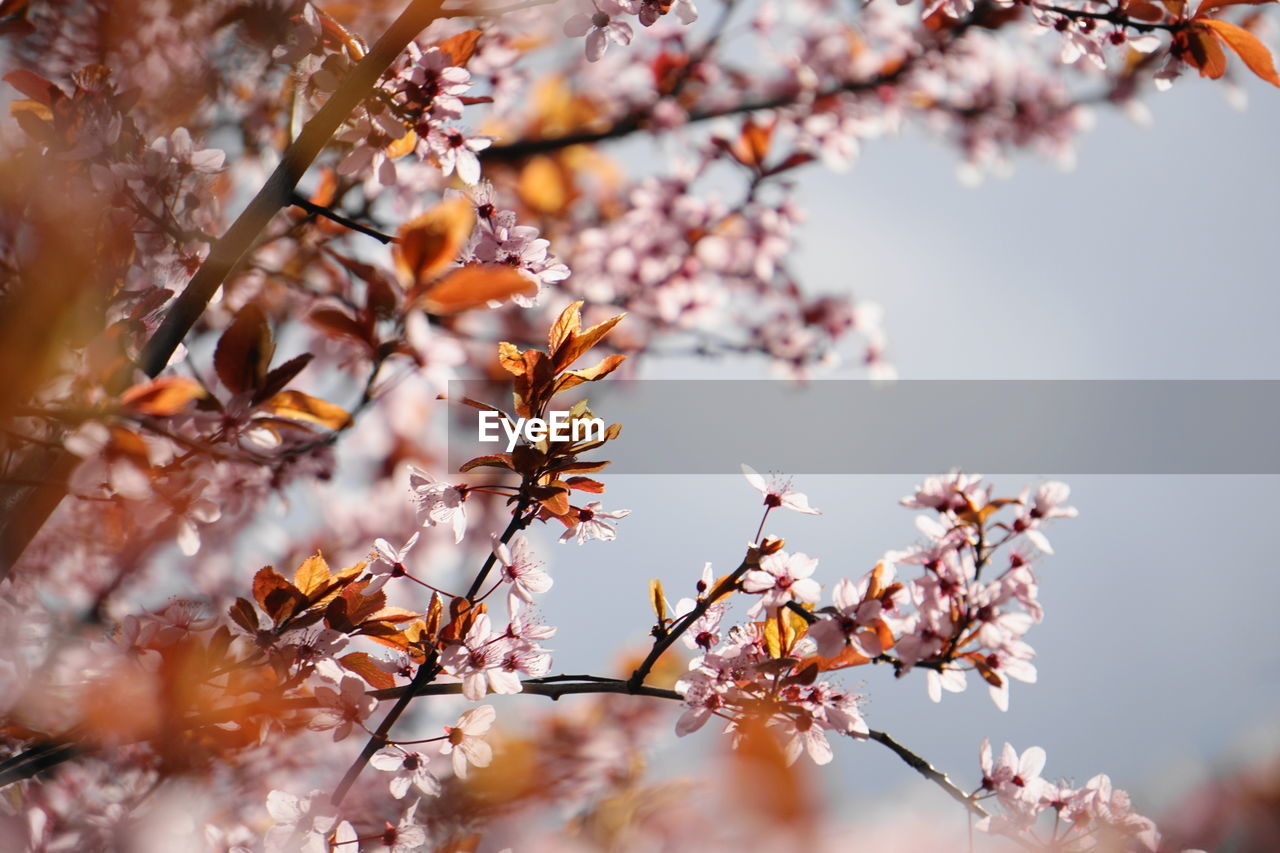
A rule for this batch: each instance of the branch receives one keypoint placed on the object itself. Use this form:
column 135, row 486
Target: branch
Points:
column 664, row 642
column 227, row 253
column 31, row 761
column 47, row 755
column 426, row 673
column 314, row 209
column 1114, row 16
column 928, row 771
column 553, row 687
column 638, row 120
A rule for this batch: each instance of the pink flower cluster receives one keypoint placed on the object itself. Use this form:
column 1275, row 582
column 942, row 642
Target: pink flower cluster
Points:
column 1095, row 816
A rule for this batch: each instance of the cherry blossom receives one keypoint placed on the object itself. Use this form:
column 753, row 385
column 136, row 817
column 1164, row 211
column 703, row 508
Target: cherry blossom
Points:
column 342, row 709
column 465, row 744
column 778, row 492
column 455, row 150
column 390, row 560
column 587, row 524
column 407, row 769
column 439, row 502
column 1012, row 777
column 478, row 659
column 1046, row 503
column 407, row 836
column 803, row 735
column 601, row 26
column 301, row 823
column 782, row 578
column 520, row 569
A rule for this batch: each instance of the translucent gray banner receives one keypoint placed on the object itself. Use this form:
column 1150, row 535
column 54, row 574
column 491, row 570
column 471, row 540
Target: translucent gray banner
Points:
column 919, row 427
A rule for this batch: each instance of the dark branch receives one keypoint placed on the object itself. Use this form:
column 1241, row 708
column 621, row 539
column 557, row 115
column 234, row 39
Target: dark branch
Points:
column 928, row 771
column 314, row 209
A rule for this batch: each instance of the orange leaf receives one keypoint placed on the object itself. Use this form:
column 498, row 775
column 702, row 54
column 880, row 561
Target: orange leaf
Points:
column 434, row 610
column 511, row 358
column 33, row 86
column 583, row 341
column 1140, row 10
column 278, row 598
column 427, row 244
column 312, row 575
column 298, row 406
column 601, row 370
column 568, row 324
column 557, row 503
column 585, row 484
column 162, row 397
column 1247, row 47
column 402, row 146
column 362, row 665
column 33, row 107
column 244, row 351
column 658, row 600
column 580, row 467
column 498, row 460
column 847, row 657
column 1206, row 54
column 459, row 48
column 544, row 185
column 753, row 145
column 474, row 286
column 393, row 615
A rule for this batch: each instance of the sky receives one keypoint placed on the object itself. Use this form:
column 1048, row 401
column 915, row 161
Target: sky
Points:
column 1152, row 259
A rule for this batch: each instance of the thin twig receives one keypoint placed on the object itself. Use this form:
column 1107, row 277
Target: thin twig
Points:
column 314, row 209
column 665, row 641
column 928, row 771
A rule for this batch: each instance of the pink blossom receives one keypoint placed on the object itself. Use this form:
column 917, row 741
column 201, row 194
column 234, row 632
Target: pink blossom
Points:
column 1046, row 503
column 781, row 578
column 342, row 709
column 439, row 502
column 1012, row 777
column 301, row 824
column 520, row 569
column 601, row 27
column 589, row 526
column 389, row 561
column 407, row 769
column 454, row 151
column 778, row 492
column 465, row 743
column 945, row 677
column 478, row 660
column 803, row 734
column 954, row 492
